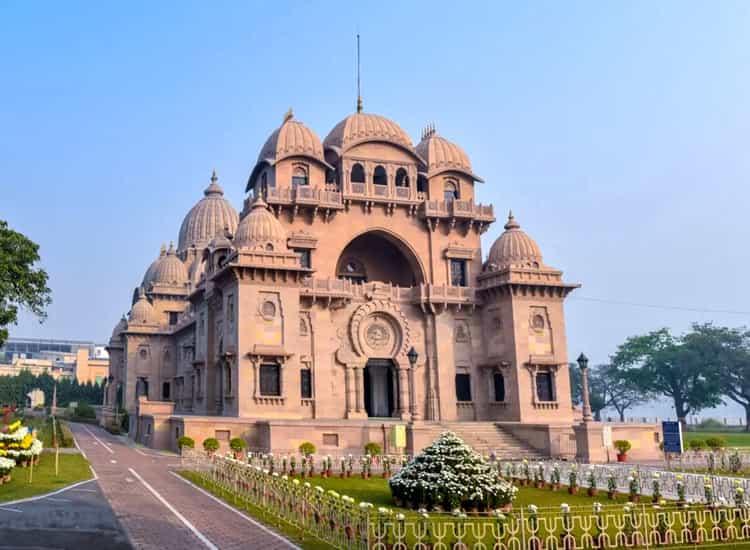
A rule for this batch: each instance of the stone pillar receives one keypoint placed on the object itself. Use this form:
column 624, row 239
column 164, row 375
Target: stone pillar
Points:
column 351, row 405
column 404, row 405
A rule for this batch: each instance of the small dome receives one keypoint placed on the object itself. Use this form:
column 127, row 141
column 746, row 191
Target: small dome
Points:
column 291, row 139
column 514, row 248
column 260, row 230
column 363, row 127
column 121, row 325
column 143, row 312
column 442, row 155
column 169, row 270
column 149, row 275
column 207, row 219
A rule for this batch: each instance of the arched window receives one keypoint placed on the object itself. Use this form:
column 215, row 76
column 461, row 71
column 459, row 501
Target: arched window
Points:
column 421, row 184
column 269, row 247
column 450, row 191
column 299, row 176
column 165, row 391
column 499, row 386
column 358, row 174
column 380, row 177
column 354, row 271
column 402, row 178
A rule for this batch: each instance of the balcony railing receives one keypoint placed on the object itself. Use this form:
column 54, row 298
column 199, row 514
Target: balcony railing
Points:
column 421, row 294
column 465, row 209
column 304, row 196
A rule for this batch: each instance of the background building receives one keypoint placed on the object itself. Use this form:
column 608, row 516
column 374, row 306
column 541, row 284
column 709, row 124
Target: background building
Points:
column 86, row 361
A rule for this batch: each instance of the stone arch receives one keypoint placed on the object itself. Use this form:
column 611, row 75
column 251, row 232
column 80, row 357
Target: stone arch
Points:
column 383, row 320
column 389, row 239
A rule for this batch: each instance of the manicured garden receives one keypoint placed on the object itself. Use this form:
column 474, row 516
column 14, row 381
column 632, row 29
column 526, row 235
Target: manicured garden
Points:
column 729, row 439
column 72, row 469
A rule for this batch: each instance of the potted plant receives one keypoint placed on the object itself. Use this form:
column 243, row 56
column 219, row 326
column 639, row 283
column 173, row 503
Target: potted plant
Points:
column 591, row 480
column 373, row 449
column 237, row 444
column 622, row 446
column 210, row 445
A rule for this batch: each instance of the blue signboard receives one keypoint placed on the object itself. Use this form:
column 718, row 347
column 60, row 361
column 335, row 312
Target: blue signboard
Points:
column 672, row 434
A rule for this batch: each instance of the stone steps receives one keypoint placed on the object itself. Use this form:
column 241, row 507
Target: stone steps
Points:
column 487, row 437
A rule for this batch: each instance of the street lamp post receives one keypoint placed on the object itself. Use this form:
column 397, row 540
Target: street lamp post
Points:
column 583, row 363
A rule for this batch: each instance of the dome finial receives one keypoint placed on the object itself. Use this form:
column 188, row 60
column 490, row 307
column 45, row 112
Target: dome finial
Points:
column 289, row 115
column 429, row 130
column 162, row 250
column 512, row 223
column 214, row 178
column 170, row 251
column 359, row 81
column 213, row 188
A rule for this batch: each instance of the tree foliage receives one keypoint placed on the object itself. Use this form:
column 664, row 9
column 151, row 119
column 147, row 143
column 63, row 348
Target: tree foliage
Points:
column 609, row 387
column 683, row 368
column 13, row 389
column 21, row 284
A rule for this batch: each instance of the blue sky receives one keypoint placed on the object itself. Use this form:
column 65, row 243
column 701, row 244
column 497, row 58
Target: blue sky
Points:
column 617, row 132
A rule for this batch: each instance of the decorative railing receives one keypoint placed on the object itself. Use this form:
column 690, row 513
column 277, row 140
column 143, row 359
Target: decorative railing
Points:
column 459, row 209
column 331, row 287
column 340, row 522
column 303, row 195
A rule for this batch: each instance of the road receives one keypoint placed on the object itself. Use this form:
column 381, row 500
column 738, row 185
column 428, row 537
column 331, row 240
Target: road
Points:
column 138, row 490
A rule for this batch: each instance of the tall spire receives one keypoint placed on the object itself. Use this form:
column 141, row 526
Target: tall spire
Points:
column 359, row 81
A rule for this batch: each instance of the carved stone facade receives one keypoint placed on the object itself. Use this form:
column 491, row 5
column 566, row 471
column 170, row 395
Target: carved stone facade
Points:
column 303, row 310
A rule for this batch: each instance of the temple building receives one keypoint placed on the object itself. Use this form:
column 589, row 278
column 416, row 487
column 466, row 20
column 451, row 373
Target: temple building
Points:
column 348, row 296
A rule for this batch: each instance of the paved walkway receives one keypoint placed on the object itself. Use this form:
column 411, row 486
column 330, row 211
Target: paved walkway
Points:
column 160, row 510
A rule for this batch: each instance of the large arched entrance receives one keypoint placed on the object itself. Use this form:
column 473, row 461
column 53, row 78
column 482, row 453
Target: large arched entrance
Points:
column 381, row 388
column 379, row 256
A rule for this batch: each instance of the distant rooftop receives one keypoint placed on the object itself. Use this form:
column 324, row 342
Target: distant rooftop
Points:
column 34, row 347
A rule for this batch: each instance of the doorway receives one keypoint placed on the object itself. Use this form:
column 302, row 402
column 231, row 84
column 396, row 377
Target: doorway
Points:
column 380, row 388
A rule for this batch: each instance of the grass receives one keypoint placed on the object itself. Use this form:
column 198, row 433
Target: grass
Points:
column 733, row 439
column 375, row 490
column 43, row 426
column 73, row 468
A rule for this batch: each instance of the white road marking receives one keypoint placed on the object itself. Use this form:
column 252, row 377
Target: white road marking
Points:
column 77, row 447
column 129, row 479
column 113, row 461
column 59, row 499
column 53, row 493
column 243, row 516
column 12, row 510
column 93, row 472
column 102, row 443
column 172, row 509
column 85, row 491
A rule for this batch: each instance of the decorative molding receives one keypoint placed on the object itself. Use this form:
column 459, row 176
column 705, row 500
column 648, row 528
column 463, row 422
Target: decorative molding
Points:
column 390, row 322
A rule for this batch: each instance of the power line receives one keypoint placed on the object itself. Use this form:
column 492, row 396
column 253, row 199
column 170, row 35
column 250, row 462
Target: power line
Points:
column 659, row 306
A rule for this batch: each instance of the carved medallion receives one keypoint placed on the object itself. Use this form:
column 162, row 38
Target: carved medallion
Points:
column 378, row 335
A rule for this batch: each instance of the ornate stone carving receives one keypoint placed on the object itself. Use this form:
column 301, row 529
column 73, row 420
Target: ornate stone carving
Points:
column 379, row 329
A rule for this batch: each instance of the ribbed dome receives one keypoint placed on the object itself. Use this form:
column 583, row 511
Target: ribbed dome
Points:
column 291, row 139
column 149, row 275
column 442, row 155
column 143, row 312
column 207, row 219
column 259, row 229
column 363, row 127
column 169, row 270
column 514, row 248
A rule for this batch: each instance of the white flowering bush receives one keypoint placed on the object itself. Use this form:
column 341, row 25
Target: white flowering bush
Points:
column 450, row 475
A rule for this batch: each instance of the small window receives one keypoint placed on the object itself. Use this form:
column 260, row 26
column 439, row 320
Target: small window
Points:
column 269, row 247
column 499, row 383
column 458, row 273
column 421, row 184
column 544, row 386
column 463, row 387
column 450, row 191
column 165, row 391
column 228, row 380
column 299, row 177
column 222, row 435
column 173, row 317
column 305, row 383
column 380, row 177
column 358, row 174
column 270, row 380
column 331, row 440
column 402, row 178
column 305, row 258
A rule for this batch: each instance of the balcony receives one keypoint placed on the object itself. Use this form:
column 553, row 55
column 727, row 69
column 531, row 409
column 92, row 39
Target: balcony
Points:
column 385, row 194
column 326, row 199
column 458, row 210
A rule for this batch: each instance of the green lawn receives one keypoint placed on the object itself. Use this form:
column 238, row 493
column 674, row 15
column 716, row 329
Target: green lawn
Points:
column 733, row 439
column 73, row 468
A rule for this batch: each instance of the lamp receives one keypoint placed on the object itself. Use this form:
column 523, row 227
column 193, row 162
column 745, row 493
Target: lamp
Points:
column 412, row 355
column 583, row 361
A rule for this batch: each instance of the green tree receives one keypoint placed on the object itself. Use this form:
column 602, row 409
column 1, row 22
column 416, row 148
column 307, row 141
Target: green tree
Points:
column 21, row 284
column 681, row 368
column 621, row 389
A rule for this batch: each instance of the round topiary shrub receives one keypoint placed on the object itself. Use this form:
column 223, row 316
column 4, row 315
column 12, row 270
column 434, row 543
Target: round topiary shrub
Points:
column 716, row 443
column 307, row 449
column 373, row 449
column 697, row 444
column 186, row 442
column 210, row 444
column 449, row 475
column 237, row 444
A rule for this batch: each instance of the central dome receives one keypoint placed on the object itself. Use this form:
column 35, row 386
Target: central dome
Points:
column 363, row 127
column 260, row 230
column 207, row 219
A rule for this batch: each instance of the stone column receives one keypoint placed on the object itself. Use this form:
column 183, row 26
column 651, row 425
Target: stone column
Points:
column 360, row 389
column 404, row 405
column 351, row 404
